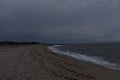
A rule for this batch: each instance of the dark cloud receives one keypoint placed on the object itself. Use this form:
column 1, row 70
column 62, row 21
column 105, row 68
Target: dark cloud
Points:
column 60, row 20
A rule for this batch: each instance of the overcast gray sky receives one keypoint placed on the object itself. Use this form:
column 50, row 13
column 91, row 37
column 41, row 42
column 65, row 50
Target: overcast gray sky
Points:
column 64, row 21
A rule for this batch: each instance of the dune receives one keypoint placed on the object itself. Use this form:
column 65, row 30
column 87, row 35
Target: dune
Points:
column 37, row 62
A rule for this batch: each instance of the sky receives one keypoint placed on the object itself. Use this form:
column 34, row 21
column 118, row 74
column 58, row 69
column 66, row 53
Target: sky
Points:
column 60, row 21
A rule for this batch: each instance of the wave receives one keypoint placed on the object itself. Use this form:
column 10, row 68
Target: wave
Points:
column 93, row 59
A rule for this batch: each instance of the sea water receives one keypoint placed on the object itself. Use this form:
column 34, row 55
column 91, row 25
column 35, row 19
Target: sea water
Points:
column 107, row 55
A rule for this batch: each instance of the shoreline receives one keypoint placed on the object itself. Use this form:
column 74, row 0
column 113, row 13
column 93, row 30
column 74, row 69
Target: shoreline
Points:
column 78, row 61
column 88, row 59
column 37, row 62
column 99, row 70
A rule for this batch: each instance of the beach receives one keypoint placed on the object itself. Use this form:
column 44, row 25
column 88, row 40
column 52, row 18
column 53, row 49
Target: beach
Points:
column 37, row 62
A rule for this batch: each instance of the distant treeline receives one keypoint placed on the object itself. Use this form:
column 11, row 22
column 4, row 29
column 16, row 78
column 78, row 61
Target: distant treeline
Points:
column 13, row 42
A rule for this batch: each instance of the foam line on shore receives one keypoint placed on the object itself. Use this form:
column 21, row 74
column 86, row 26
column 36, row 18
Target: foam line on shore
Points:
column 93, row 59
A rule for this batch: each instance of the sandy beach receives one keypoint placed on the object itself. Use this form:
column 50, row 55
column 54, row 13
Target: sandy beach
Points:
column 37, row 62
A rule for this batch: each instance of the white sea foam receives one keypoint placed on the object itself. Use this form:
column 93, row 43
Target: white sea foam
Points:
column 93, row 59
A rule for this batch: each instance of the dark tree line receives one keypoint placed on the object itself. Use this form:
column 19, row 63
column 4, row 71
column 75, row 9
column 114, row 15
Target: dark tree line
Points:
column 13, row 42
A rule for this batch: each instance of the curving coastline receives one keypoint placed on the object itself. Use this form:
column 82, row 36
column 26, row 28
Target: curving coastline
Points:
column 92, row 59
column 37, row 62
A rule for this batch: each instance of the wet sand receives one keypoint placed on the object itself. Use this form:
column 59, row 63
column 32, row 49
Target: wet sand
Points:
column 36, row 62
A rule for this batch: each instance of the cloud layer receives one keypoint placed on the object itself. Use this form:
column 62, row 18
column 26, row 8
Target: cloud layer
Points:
column 64, row 21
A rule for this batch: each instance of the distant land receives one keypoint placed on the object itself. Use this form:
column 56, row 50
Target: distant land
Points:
column 13, row 42
column 33, row 42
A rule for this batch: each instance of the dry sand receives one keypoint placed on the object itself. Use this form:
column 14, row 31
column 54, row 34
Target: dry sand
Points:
column 36, row 62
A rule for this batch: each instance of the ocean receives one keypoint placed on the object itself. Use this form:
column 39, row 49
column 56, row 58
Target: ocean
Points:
column 104, row 54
